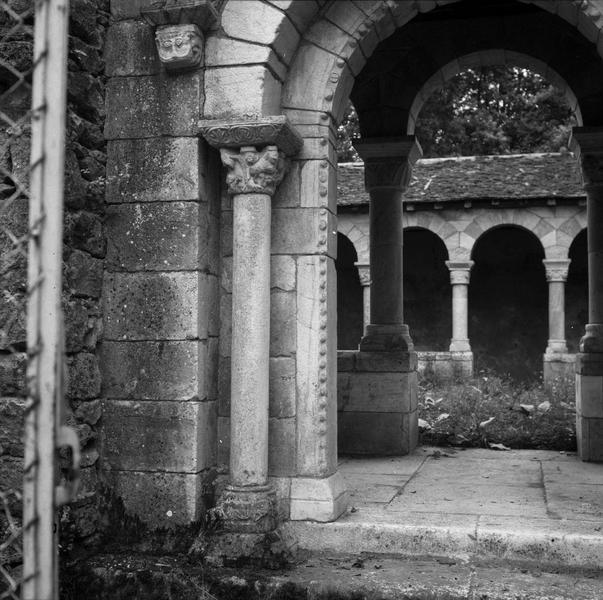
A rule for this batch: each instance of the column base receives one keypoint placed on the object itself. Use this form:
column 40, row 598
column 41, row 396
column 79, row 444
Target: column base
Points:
column 589, row 406
column 386, row 338
column 592, row 340
column 460, row 346
column 248, row 509
column 557, row 367
column 314, row 499
column 556, row 347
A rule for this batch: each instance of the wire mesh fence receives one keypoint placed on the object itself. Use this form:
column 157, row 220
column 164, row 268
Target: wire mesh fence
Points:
column 33, row 37
column 16, row 67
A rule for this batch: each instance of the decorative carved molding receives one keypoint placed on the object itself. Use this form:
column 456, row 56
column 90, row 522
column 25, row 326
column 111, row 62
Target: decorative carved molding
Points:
column 202, row 13
column 460, row 272
column 556, row 268
column 587, row 144
column 388, row 161
column 253, row 172
column 267, row 131
column 180, row 47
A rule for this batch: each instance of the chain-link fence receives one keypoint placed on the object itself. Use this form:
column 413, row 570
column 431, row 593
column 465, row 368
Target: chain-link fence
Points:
column 33, row 37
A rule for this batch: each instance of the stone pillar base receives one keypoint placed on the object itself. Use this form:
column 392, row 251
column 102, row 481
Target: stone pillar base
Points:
column 248, row 509
column 314, row 499
column 377, row 403
column 460, row 346
column 557, row 367
column 589, row 406
column 386, row 338
column 556, row 347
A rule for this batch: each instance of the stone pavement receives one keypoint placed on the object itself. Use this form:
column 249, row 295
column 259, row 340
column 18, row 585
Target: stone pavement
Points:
column 539, row 507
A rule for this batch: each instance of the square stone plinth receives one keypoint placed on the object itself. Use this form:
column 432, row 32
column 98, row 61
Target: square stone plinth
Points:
column 377, row 403
column 322, row 499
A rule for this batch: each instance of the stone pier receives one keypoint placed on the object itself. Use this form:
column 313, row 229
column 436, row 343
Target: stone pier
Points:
column 377, row 398
column 589, row 362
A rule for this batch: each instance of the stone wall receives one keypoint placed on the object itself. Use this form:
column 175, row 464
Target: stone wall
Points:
column 160, row 348
column 84, row 251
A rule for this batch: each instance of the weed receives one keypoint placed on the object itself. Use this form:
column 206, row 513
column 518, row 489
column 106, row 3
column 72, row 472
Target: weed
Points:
column 494, row 409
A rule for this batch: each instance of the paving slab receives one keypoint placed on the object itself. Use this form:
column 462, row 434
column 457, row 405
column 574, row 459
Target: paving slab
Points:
column 370, row 488
column 533, row 506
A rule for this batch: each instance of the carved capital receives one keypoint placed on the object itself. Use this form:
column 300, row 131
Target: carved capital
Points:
column 556, row 268
column 267, row 131
column 388, row 161
column 587, row 143
column 180, row 47
column 364, row 273
column 253, row 172
column 460, row 272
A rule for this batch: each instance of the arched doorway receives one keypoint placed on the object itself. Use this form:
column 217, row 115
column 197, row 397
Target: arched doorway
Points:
column 508, row 303
column 427, row 292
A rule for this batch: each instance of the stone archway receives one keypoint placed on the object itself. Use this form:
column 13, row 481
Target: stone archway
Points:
column 508, row 302
column 266, row 61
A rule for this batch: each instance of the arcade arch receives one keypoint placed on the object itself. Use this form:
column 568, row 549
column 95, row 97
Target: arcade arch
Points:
column 508, row 300
column 307, row 66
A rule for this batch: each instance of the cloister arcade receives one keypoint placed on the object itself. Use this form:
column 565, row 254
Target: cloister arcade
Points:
column 251, row 366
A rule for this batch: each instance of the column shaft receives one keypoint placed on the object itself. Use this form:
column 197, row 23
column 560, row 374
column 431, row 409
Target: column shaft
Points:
column 386, row 256
column 459, row 312
column 557, row 314
column 595, row 254
column 250, row 339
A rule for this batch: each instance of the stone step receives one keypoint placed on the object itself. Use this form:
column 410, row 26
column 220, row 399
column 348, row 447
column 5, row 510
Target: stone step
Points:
column 571, row 544
column 327, row 576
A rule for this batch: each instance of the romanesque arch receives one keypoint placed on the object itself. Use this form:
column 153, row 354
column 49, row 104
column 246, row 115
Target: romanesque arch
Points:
column 277, row 75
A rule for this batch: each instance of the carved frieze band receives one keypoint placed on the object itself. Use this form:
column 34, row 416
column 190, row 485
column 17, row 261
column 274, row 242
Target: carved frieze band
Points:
column 253, row 172
column 267, row 131
column 388, row 161
column 460, row 272
column 556, row 269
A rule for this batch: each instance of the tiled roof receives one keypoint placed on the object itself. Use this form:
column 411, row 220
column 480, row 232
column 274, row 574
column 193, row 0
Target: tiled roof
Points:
column 505, row 177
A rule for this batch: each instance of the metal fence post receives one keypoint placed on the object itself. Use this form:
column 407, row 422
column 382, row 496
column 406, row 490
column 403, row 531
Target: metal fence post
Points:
column 44, row 314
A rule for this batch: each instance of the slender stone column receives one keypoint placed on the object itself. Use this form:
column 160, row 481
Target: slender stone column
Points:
column 364, row 273
column 589, row 363
column 249, row 503
column 556, row 275
column 460, row 273
column 387, row 166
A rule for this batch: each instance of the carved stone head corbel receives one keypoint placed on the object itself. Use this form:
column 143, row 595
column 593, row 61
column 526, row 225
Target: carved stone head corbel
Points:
column 179, row 33
column 180, row 47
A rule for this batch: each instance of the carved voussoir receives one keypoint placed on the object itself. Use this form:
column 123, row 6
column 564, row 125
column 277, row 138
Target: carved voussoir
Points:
column 180, row 47
column 267, row 131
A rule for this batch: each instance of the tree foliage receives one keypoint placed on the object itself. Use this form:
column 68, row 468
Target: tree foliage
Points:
column 490, row 110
